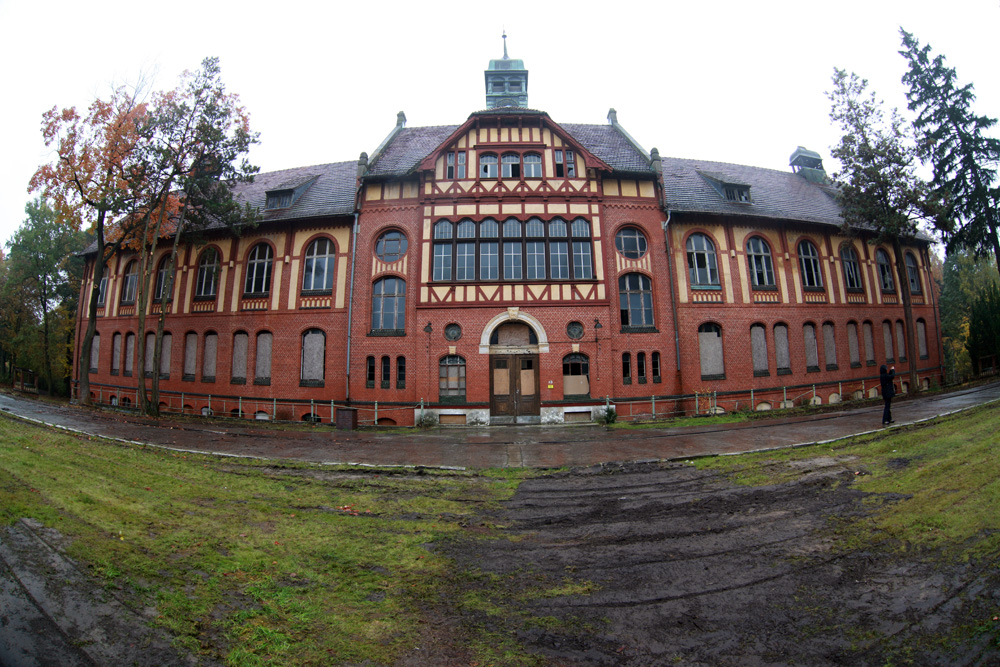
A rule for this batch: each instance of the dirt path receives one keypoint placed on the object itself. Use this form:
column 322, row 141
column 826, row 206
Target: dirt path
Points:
column 692, row 570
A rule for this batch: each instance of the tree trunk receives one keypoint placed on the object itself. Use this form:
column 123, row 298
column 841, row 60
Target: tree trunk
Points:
column 904, row 290
column 88, row 338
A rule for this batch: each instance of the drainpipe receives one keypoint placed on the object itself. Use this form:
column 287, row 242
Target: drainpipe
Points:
column 673, row 291
column 362, row 168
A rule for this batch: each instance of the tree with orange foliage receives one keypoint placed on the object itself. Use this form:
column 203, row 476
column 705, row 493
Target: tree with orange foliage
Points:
column 92, row 183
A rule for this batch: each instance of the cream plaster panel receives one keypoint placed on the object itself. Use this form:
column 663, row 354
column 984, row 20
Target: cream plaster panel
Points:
column 741, row 261
column 489, row 209
column 439, row 169
column 600, row 291
column 533, row 185
column 466, row 185
column 794, row 273
column 440, row 292
column 276, row 276
column 237, row 288
column 465, row 209
column 410, row 190
column 494, row 135
column 428, row 210
column 558, row 208
column 547, row 137
column 423, row 295
column 512, row 209
column 391, row 191
column 342, row 235
column 490, row 291
column 341, row 281
column 473, row 163
column 530, row 209
column 291, row 292
column 646, row 189
column 579, row 209
column 547, row 159
column 373, row 192
column 444, row 210
column 826, row 272
column 611, row 188
column 463, row 141
column 680, row 261
column 727, row 277
column 427, row 229
column 599, row 258
column 519, row 292
column 629, row 188
column 189, row 292
column 597, row 225
column 425, row 255
column 536, row 134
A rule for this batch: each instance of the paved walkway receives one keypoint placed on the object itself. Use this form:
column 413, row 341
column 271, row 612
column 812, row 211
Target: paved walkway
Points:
column 498, row 446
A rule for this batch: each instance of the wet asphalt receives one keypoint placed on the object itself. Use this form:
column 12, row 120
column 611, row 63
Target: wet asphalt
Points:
column 50, row 614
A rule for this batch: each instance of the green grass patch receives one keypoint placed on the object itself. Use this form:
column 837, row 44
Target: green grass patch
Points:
column 247, row 561
column 941, row 476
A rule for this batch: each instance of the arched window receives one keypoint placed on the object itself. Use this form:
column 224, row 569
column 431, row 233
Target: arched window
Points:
column 900, row 340
column 95, row 353
column 702, row 267
column 190, row 356
column 887, row 341
column 812, row 278
column 386, row 371
column 656, row 366
column 576, row 375
column 868, row 335
column 510, row 165
column 370, row 372
column 635, row 299
column 164, row 281
column 208, row 272
column 451, row 379
column 166, row 346
column 130, row 283
column 913, row 274
column 811, row 347
column 830, row 346
column 391, row 246
column 884, row 271
column 129, row 354
column 759, row 259
column 313, row 364
column 400, row 372
column 626, row 368
column 532, row 165
column 319, row 267
column 258, row 270
column 487, row 166
column 209, row 357
column 102, row 293
column 710, row 352
column 852, row 269
column 640, row 367
column 389, row 305
column 239, row 366
column 116, row 353
column 782, row 357
column 922, row 339
column 853, row 344
column 262, row 365
column 631, row 243
column 758, row 350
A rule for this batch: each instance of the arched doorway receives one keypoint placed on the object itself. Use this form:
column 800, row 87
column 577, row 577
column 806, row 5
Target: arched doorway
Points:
column 514, row 387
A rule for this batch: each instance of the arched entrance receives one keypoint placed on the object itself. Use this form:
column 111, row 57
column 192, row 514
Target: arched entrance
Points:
column 514, row 386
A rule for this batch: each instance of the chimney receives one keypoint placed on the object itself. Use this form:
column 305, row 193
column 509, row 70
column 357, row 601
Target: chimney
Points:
column 401, row 119
column 362, row 164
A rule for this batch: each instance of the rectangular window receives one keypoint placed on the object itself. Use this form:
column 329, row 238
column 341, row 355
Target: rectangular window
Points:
column 262, row 367
column 465, row 261
column 583, row 267
column 102, row 294
column 489, row 268
column 238, row 374
column 512, row 260
column 829, row 347
column 190, row 356
column 116, row 353
column 442, row 261
column 455, row 165
column 640, row 367
column 565, row 168
column 208, row 360
column 536, row 260
column 758, row 350
column 656, row 367
column 781, row 355
column 370, row 372
column 560, row 260
column 560, row 165
column 450, row 169
column 400, row 372
column 626, row 368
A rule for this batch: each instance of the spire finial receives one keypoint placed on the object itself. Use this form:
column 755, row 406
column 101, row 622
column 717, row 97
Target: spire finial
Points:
column 505, row 56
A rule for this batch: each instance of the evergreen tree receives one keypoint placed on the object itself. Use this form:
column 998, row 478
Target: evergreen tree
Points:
column 953, row 140
column 984, row 330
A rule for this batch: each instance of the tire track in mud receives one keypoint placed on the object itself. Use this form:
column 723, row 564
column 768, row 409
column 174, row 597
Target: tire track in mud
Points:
column 690, row 569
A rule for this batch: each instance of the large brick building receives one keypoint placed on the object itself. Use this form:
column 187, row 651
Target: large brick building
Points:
column 515, row 269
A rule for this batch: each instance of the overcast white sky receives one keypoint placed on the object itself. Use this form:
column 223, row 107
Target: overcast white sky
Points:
column 723, row 80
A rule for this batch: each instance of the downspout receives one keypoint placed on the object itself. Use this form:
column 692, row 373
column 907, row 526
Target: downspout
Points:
column 673, row 291
column 362, row 168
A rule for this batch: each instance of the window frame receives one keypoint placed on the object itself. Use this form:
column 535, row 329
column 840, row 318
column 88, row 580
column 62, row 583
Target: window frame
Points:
column 447, row 393
column 886, row 281
column 130, row 283
column 706, row 254
column 810, row 266
column 208, row 260
column 399, row 246
column 312, row 259
column 258, row 270
column 627, row 305
column 913, row 273
column 398, row 301
column 851, row 268
column 489, row 166
column 759, row 260
column 162, row 281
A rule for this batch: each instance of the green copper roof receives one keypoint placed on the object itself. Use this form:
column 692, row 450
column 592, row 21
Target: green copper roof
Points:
column 506, row 64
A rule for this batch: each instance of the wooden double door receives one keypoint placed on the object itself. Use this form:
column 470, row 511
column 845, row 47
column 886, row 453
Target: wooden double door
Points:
column 514, row 387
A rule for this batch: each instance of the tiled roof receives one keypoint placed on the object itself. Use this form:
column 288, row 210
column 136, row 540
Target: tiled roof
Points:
column 773, row 194
column 610, row 145
column 407, row 149
column 331, row 194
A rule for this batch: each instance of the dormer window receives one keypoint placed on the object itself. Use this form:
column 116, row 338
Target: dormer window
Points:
column 279, row 199
column 740, row 193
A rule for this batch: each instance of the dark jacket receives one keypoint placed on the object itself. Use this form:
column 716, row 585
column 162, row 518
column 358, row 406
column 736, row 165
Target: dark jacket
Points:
column 886, row 378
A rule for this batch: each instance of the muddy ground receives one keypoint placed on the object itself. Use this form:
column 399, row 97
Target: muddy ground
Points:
column 691, row 569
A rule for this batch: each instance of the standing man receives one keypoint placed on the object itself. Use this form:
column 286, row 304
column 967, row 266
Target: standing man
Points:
column 886, row 378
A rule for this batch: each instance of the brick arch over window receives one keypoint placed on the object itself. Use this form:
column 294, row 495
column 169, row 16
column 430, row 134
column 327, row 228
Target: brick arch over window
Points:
column 513, row 315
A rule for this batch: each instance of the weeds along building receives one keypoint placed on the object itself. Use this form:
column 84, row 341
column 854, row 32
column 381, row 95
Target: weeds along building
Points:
column 514, row 268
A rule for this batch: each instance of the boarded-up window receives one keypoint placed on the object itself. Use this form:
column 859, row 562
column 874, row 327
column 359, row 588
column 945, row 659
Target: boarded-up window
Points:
column 239, row 369
column 900, row 341
column 869, row 343
column 829, row 346
column 262, row 365
column 129, row 354
column 313, row 358
column 166, row 344
column 527, row 377
column 922, row 339
column 812, row 352
column 710, row 352
column 852, row 344
column 116, row 353
column 147, row 367
column 758, row 348
column 781, row 356
column 887, row 341
column 95, row 353
column 501, row 377
column 190, row 355
column 576, row 375
column 208, row 361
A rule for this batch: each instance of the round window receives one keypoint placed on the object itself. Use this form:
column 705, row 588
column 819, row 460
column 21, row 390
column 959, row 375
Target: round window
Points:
column 574, row 330
column 453, row 331
column 631, row 243
column 391, row 246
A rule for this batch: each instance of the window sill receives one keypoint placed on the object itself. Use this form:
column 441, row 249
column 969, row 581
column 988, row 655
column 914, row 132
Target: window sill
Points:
column 187, row 377
column 262, row 382
column 870, row 362
column 204, row 297
column 924, row 357
column 633, row 329
column 855, row 364
column 657, row 379
column 814, row 290
column 317, row 292
column 387, row 332
column 385, row 384
column 642, row 380
column 812, row 369
column 311, row 383
column 238, row 381
column 255, row 295
column 707, row 287
column 370, row 384
column 208, row 379
column 832, row 367
column 626, row 380
column 114, row 372
column 451, row 400
column 764, row 288
column 784, row 371
column 762, row 374
column 720, row 376
column 400, row 385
